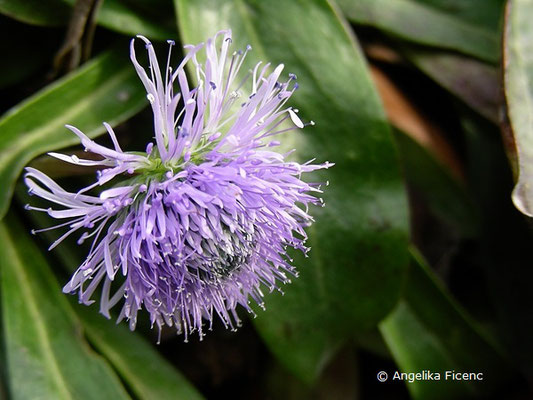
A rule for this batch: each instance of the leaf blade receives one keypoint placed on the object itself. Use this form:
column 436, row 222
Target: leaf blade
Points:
column 41, row 332
column 104, row 89
column 149, row 375
column 428, row 330
column 475, row 83
column 518, row 88
column 116, row 15
column 36, row 12
column 428, row 24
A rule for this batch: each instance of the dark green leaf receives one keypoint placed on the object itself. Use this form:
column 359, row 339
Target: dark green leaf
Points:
column 518, row 80
column 36, row 12
column 417, row 349
column 434, row 22
column 148, row 374
column 445, row 195
column 504, row 243
column 118, row 15
column 352, row 278
column 483, row 13
column 122, row 17
column 106, row 89
column 474, row 82
column 429, row 331
column 46, row 354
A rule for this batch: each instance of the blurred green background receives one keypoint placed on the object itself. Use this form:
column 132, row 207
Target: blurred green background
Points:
column 420, row 260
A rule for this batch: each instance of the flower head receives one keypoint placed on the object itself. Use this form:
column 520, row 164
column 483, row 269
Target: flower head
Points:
column 198, row 223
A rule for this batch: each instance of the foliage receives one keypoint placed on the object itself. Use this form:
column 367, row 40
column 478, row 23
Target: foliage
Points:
column 418, row 262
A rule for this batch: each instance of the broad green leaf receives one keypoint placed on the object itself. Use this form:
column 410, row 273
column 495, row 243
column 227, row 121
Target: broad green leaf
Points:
column 118, row 15
column 433, row 23
column 429, row 331
column 518, row 81
column 148, row 374
column 47, row 357
column 352, row 277
column 105, row 89
column 475, row 83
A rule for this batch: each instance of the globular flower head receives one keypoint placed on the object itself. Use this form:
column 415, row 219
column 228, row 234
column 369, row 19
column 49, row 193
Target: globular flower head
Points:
column 197, row 224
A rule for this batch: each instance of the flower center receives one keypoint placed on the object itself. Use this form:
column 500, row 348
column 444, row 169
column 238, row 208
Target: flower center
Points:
column 223, row 268
column 219, row 266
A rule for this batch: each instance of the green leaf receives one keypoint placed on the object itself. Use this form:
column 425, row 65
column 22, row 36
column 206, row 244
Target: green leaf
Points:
column 434, row 23
column 118, row 15
column 429, row 331
column 46, row 355
column 483, row 13
column 505, row 241
column 36, row 12
column 475, row 83
column 149, row 375
column 445, row 195
column 518, row 81
column 352, row 277
column 106, row 89
column 121, row 16
column 417, row 349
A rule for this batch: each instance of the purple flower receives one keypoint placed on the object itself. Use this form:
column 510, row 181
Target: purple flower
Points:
column 201, row 221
